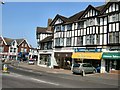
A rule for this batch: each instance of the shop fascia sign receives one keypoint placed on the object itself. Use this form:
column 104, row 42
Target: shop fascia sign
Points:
column 111, row 56
column 87, row 50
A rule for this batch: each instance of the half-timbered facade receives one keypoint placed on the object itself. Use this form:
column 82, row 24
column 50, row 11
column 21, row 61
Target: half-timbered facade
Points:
column 45, row 46
column 87, row 34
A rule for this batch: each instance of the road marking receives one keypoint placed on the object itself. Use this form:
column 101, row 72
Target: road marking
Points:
column 29, row 78
column 44, row 81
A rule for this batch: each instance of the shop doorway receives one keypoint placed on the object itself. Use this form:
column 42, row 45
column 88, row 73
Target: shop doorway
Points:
column 107, row 65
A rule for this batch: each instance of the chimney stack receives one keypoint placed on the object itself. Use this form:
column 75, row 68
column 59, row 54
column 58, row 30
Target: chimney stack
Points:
column 48, row 25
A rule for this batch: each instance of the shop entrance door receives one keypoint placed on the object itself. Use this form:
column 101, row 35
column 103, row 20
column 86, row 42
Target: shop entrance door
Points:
column 107, row 65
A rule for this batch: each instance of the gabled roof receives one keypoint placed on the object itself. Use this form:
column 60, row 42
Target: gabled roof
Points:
column 2, row 39
column 43, row 30
column 19, row 41
column 63, row 18
column 8, row 40
column 79, row 15
column 75, row 17
column 108, row 4
column 47, row 39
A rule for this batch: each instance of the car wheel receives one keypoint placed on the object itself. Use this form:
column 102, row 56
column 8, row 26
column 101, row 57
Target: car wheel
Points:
column 83, row 73
column 94, row 71
column 73, row 72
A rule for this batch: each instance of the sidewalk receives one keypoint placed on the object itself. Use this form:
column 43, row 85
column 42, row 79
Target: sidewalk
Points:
column 62, row 71
column 45, row 69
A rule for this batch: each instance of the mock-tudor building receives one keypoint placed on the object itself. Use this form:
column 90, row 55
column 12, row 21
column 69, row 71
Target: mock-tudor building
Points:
column 45, row 46
column 92, row 35
column 14, row 49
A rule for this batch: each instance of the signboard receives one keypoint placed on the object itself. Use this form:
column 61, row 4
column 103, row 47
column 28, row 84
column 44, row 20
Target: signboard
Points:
column 88, row 50
column 111, row 55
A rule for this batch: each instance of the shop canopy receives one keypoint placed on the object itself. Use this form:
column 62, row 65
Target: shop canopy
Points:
column 111, row 55
column 87, row 55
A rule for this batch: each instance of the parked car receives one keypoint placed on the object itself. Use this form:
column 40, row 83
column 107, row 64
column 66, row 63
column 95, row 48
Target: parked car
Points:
column 31, row 62
column 83, row 68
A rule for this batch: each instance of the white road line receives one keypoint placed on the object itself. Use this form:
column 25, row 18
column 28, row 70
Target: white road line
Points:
column 44, row 81
column 29, row 78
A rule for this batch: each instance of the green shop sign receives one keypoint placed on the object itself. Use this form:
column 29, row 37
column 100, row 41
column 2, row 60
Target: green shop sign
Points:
column 111, row 55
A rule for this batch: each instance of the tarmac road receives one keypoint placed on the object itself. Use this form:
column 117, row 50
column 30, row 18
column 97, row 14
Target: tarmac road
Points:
column 21, row 78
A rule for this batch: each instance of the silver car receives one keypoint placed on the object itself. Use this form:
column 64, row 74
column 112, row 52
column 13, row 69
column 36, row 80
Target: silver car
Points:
column 83, row 68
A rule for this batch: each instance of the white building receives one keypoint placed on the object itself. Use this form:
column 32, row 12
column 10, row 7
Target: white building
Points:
column 87, row 36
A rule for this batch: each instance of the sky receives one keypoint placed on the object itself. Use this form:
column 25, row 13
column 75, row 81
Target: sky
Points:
column 20, row 19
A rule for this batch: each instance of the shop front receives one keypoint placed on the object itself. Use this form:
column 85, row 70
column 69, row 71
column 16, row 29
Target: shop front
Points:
column 45, row 60
column 88, row 57
column 63, row 59
column 112, row 61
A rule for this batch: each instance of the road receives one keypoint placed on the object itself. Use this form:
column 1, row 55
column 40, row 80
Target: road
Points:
column 20, row 78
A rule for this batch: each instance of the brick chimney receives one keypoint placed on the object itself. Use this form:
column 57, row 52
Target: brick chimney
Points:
column 49, row 21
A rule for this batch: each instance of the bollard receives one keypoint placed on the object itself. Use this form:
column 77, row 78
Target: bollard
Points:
column 5, row 68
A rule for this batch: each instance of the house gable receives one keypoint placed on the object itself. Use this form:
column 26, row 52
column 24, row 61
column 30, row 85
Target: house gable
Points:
column 2, row 39
column 111, row 7
column 90, row 12
column 58, row 20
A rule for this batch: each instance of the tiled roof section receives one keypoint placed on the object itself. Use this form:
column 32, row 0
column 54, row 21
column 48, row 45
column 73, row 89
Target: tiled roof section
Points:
column 99, row 8
column 19, row 41
column 8, row 40
column 63, row 18
column 75, row 17
column 47, row 39
column 43, row 30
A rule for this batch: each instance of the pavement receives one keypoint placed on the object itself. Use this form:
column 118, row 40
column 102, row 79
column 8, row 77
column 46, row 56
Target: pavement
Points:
column 112, row 76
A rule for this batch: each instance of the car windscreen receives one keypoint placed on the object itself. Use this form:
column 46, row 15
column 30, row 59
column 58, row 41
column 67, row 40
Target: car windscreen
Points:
column 76, row 65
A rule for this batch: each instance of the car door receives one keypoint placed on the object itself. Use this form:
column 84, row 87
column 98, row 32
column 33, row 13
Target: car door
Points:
column 90, row 68
column 85, row 68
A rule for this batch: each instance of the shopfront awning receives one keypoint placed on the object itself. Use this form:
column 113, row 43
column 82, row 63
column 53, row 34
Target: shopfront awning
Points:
column 111, row 55
column 87, row 55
